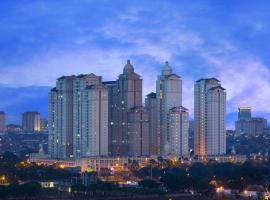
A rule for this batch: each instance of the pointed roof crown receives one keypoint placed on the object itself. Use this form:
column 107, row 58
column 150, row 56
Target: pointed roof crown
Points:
column 128, row 68
column 167, row 70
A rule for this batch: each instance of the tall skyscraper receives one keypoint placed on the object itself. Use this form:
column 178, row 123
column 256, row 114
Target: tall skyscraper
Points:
column 78, row 117
column 2, row 121
column 31, row 121
column 178, row 122
column 169, row 95
column 128, row 91
column 152, row 105
column 95, row 121
column 138, row 131
column 112, row 115
column 209, row 117
column 61, row 118
column 80, row 83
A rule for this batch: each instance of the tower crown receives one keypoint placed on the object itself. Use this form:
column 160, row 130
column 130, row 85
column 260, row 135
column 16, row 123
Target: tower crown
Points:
column 128, row 68
column 167, row 70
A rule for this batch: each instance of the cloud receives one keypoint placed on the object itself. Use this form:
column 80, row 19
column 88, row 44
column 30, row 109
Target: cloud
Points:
column 199, row 41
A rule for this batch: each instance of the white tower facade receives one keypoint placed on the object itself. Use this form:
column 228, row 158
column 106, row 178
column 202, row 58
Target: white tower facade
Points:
column 209, row 117
column 79, row 86
column 178, row 124
column 169, row 95
column 78, row 117
column 95, row 121
column 60, row 119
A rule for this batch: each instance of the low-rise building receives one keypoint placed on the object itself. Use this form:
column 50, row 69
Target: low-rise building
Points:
column 89, row 178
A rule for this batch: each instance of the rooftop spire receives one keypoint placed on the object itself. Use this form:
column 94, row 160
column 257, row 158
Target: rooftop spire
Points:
column 128, row 68
column 167, row 70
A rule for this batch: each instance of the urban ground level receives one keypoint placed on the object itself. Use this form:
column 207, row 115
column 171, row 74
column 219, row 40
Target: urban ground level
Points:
column 140, row 197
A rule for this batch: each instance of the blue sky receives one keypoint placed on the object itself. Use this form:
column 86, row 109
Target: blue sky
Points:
column 42, row 40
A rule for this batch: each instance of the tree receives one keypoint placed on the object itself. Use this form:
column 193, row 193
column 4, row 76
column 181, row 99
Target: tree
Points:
column 105, row 187
column 149, row 184
column 134, row 166
column 30, row 189
column 175, row 182
column 10, row 158
column 78, row 188
column 3, row 191
column 92, row 189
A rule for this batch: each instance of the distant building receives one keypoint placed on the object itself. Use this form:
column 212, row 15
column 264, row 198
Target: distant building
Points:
column 246, row 124
column 266, row 131
column 31, row 121
column 178, row 120
column 244, row 113
column 14, row 128
column 89, row 178
column 209, row 117
column 251, row 127
column 95, row 164
column 138, row 131
column 169, row 95
column 151, row 104
column 2, row 121
column 230, row 133
column 44, row 124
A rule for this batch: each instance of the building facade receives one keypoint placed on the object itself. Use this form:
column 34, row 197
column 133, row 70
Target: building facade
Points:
column 60, row 118
column 31, row 121
column 246, row 124
column 244, row 113
column 95, row 121
column 138, row 132
column 43, row 124
column 112, row 115
column 80, row 83
column 151, row 104
column 191, row 135
column 2, row 121
column 127, row 94
column 178, row 126
column 169, row 95
column 209, row 117
column 251, row 127
column 78, row 117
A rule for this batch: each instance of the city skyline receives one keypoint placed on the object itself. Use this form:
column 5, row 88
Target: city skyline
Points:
column 123, row 99
column 90, row 117
column 148, row 34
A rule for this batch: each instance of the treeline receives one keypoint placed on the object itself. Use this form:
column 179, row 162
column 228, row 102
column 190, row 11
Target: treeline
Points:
column 110, row 189
column 14, row 169
column 26, row 190
column 204, row 177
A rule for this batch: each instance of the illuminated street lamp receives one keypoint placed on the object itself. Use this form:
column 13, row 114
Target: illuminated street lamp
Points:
column 3, row 179
column 219, row 189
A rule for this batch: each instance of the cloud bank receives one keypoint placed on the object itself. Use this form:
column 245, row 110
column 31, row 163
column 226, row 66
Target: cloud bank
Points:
column 41, row 41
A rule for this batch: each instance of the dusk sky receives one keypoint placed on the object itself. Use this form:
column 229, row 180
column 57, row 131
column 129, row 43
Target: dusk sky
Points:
column 43, row 40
